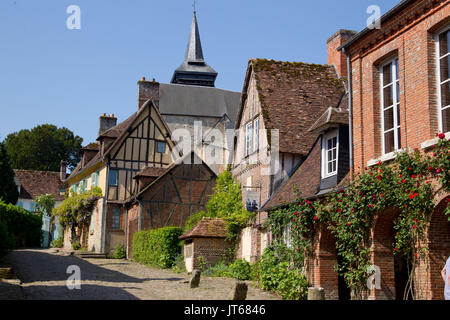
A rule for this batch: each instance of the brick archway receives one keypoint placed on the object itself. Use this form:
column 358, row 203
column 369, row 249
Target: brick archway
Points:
column 439, row 249
column 322, row 272
column 382, row 254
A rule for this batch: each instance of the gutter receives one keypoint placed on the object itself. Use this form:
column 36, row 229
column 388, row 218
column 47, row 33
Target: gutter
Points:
column 350, row 111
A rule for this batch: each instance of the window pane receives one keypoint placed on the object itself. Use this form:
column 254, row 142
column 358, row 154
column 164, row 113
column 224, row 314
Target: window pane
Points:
column 389, row 142
column 396, row 69
column 399, row 137
column 161, row 147
column 445, row 70
column 113, row 177
column 334, row 166
column 398, row 114
column 334, row 153
column 445, row 94
column 446, row 120
column 330, row 167
column 398, row 91
column 388, row 119
column 387, row 74
column 388, row 96
column 444, row 43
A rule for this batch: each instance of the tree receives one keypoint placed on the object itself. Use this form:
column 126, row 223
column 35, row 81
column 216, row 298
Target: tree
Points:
column 8, row 188
column 43, row 147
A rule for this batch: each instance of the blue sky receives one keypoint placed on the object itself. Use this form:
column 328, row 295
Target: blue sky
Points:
column 49, row 74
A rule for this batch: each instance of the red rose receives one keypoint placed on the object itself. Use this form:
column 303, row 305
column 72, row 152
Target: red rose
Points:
column 316, row 218
column 416, row 194
column 441, row 136
column 411, row 196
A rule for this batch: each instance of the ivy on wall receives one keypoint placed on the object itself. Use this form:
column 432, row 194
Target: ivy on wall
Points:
column 408, row 186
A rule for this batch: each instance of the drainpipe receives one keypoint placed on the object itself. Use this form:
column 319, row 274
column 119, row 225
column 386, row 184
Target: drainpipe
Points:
column 350, row 110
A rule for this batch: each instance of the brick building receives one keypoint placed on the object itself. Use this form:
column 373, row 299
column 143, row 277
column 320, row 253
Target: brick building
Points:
column 400, row 100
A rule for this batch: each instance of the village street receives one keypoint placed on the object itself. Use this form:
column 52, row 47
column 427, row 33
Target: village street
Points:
column 43, row 275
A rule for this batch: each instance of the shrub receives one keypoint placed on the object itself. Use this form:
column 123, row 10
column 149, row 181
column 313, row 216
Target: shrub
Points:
column 76, row 246
column 157, row 248
column 277, row 276
column 220, row 269
column 5, row 240
column 240, row 270
column 119, row 252
column 23, row 227
column 57, row 243
column 179, row 265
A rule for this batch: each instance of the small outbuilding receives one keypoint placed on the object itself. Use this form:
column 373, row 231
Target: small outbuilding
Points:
column 205, row 243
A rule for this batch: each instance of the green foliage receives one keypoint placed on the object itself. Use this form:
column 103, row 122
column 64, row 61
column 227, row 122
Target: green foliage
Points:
column 408, row 186
column 157, row 248
column 45, row 204
column 76, row 246
column 220, row 269
column 20, row 228
column 241, row 270
column 225, row 203
column 179, row 265
column 57, row 243
column 77, row 209
column 119, row 252
column 279, row 276
column 8, row 188
column 43, row 147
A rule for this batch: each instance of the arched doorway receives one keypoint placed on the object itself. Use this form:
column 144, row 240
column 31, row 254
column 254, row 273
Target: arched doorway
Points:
column 394, row 269
column 439, row 248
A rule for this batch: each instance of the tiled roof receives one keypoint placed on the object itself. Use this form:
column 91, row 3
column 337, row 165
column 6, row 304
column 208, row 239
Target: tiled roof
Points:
column 293, row 96
column 94, row 146
column 37, row 183
column 331, row 118
column 117, row 130
column 306, row 179
column 207, row 228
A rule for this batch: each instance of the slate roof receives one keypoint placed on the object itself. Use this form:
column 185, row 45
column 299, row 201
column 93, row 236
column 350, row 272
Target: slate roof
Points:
column 207, row 228
column 186, row 100
column 37, row 183
column 293, row 96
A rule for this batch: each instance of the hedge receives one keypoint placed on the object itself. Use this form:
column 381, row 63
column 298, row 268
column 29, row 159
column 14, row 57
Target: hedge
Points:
column 18, row 228
column 157, row 248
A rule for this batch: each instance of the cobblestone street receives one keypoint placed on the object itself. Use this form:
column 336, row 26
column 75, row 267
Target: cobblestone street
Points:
column 43, row 275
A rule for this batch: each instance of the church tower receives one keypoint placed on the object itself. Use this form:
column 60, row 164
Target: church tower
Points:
column 194, row 70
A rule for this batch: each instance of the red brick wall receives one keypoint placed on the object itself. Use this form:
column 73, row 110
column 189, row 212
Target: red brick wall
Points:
column 212, row 250
column 410, row 37
column 335, row 57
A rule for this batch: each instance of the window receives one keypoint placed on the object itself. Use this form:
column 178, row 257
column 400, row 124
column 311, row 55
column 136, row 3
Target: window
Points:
column 94, row 179
column 443, row 41
column 161, row 147
column 330, row 147
column 116, row 219
column 83, row 185
column 390, row 107
column 249, row 139
column 113, row 178
column 256, row 144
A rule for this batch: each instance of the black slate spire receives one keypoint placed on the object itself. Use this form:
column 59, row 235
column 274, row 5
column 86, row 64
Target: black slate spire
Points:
column 194, row 70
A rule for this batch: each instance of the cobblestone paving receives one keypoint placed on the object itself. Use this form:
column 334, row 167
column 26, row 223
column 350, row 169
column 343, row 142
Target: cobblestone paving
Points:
column 43, row 275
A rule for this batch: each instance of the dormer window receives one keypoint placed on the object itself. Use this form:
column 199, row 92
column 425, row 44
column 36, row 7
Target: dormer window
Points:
column 330, row 147
column 249, row 139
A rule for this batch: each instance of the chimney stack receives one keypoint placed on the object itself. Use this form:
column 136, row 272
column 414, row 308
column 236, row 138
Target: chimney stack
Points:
column 338, row 58
column 148, row 90
column 106, row 122
column 63, row 170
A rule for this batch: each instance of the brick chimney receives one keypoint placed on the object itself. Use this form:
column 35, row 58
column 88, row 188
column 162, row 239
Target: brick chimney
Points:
column 63, row 170
column 106, row 122
column 335, row 57
column 148, row 90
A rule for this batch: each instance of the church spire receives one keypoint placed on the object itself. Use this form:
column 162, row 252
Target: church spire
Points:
column 194, row 70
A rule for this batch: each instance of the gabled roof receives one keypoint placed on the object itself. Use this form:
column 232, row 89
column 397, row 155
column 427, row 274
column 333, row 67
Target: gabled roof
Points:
column 293, row 96
column 37, row 183
column 117, row 133
column 151, row 172
column 207, row 228
column 331, row 118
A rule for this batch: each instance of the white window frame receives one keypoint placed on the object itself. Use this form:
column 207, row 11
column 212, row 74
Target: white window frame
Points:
column 395, row 105
column 325, row 160
column 438, row 72
column 249, row 139
column 256, row 135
